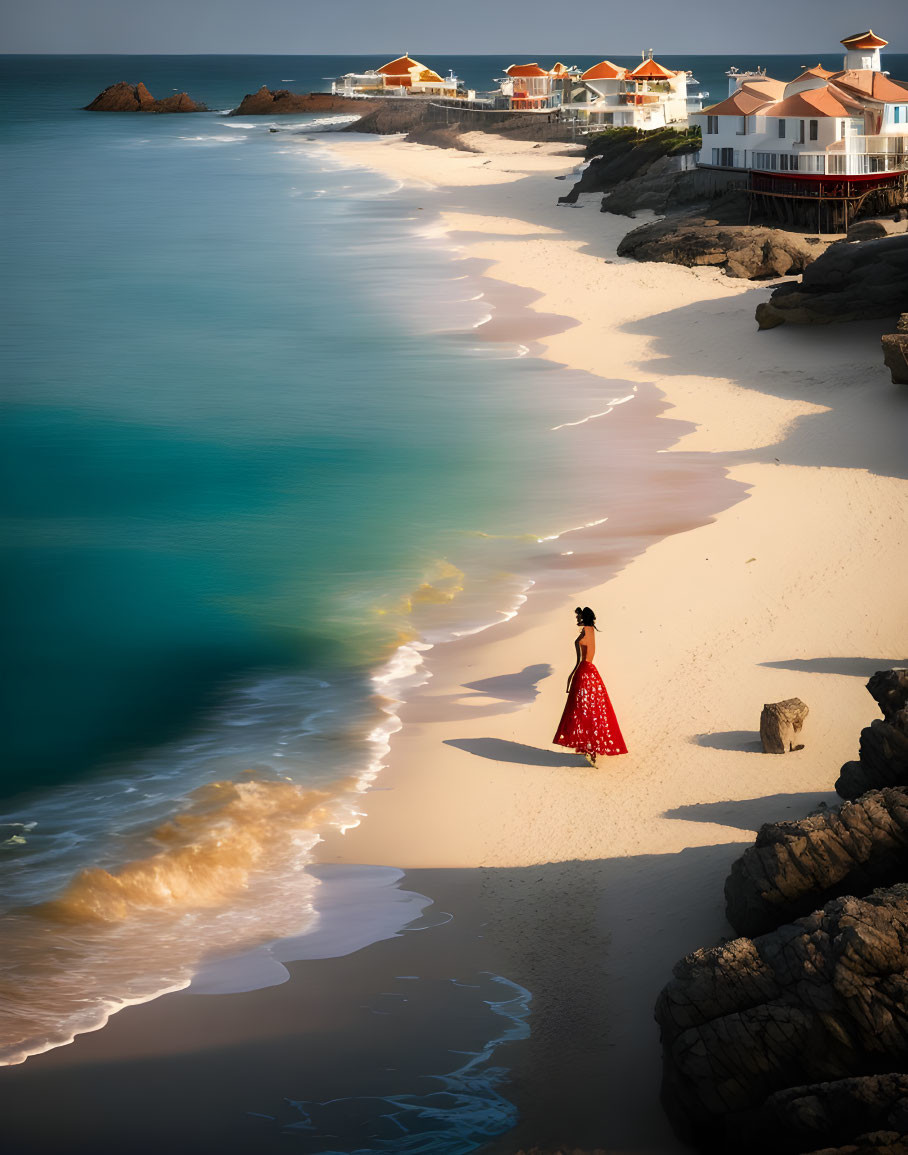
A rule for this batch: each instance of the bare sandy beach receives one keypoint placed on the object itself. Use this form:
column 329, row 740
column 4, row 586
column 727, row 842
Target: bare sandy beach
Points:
column 775, row 571
column 759, row 556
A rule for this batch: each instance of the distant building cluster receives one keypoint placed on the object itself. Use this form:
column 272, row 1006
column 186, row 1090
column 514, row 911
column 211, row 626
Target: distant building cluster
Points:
column 853, row 122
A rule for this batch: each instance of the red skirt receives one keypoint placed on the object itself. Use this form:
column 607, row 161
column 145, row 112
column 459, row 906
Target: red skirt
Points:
column 588, row 723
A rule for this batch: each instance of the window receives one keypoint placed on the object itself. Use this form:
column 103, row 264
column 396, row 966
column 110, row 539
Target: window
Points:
column 783, row 162
column 895, row 114
column 727, row 156
column 782, row 127
column 742, row 126
column 814, row 129
column 712, row 125
column 715, row 156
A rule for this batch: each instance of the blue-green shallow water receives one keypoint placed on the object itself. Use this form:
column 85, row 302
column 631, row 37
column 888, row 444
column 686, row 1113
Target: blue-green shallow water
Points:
column 250, row 445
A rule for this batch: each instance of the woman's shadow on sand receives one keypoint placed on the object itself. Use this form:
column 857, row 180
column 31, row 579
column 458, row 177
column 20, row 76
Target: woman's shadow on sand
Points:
column 498, row 750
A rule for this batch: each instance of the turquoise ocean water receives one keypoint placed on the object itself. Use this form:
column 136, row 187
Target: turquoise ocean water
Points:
column 256, row 456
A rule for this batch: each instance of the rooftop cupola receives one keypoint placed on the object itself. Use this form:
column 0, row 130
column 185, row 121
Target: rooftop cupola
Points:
column 863, row 51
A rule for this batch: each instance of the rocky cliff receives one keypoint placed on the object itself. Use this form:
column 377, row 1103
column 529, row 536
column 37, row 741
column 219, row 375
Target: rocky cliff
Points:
column 123, row 97
column 795, row 1038
column 817, row 1001
column 849, row 282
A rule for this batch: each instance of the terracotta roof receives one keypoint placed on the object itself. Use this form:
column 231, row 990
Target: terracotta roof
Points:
column 740, row 103
column 876, row 86
column 400, row 66
column 814, row 103
column 559, row 69
column 526, row 70
column 650, row 70
column 604, row 70
column 428, row 75
column 818, row 71
column 864, row 40
column 767, row 88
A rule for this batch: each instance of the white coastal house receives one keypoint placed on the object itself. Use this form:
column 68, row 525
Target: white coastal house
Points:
column 400, row 77
column 532, row 88
column 646, row 97
column 850, row 123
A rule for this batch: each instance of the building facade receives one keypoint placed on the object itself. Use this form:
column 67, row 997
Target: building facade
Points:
column 853, row 122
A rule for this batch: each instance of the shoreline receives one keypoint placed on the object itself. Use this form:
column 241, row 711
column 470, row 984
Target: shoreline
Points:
column 585, row 886
column 764, row 600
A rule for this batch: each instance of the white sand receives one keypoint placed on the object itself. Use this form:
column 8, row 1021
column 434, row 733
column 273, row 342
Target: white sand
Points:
column 807, row 573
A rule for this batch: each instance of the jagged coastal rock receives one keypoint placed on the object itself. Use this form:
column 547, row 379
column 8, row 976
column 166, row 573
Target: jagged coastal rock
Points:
column 883, row 757
column 780, row 725
column 849, row 282
column 868, row 1113
column 748, row 251
column 895, row 351
column 123, row 97
column 793, row 868
column 812, row 1002
column 282, row 102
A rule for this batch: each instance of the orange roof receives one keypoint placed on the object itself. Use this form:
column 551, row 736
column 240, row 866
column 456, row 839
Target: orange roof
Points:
column 867, row 83
column 813, row 103
column 399, row 67
column 427, row 74
column 650, row 70
column 740, row 103
column 818, row 71
column 767, row 88
column 559, row 69
column 526, row 70
column 604, row 70
column 864, row 40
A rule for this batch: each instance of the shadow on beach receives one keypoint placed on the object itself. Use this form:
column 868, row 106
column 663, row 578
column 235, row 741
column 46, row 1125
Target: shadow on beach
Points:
column 593, row 942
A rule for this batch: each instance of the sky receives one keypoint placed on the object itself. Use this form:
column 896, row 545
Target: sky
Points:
column 432, row 27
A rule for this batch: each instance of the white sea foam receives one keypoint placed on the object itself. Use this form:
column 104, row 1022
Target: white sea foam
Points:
column 573, row 529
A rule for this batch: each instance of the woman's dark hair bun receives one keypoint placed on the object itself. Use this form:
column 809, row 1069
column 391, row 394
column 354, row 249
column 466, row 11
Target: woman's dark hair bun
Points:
column 586, row 615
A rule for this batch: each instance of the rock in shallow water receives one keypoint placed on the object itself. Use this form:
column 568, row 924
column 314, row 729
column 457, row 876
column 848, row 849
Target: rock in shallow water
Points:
column 123, row 97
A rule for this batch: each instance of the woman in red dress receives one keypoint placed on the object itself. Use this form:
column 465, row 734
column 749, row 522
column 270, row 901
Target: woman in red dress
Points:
column 588, row 723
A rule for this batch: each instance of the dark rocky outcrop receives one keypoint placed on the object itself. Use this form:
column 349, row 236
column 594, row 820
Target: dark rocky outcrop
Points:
column 620, row 155
column 868, row 1113
column 283, row 102
column 895, row 351
column 883, row 757
column 123, row 97
column 849, row 282
column 780, row 724
column 820, row 1000
column 749, row 251
column 793, row 868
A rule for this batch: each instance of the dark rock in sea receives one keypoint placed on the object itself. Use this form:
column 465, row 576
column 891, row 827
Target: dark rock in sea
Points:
column 748, row 251
column 895, row 351
column 123, row 97
column 849, row 282
column 883, row 757
column 283, row 102
column 793, row 868
column 816, row 1001
column 780, row 724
